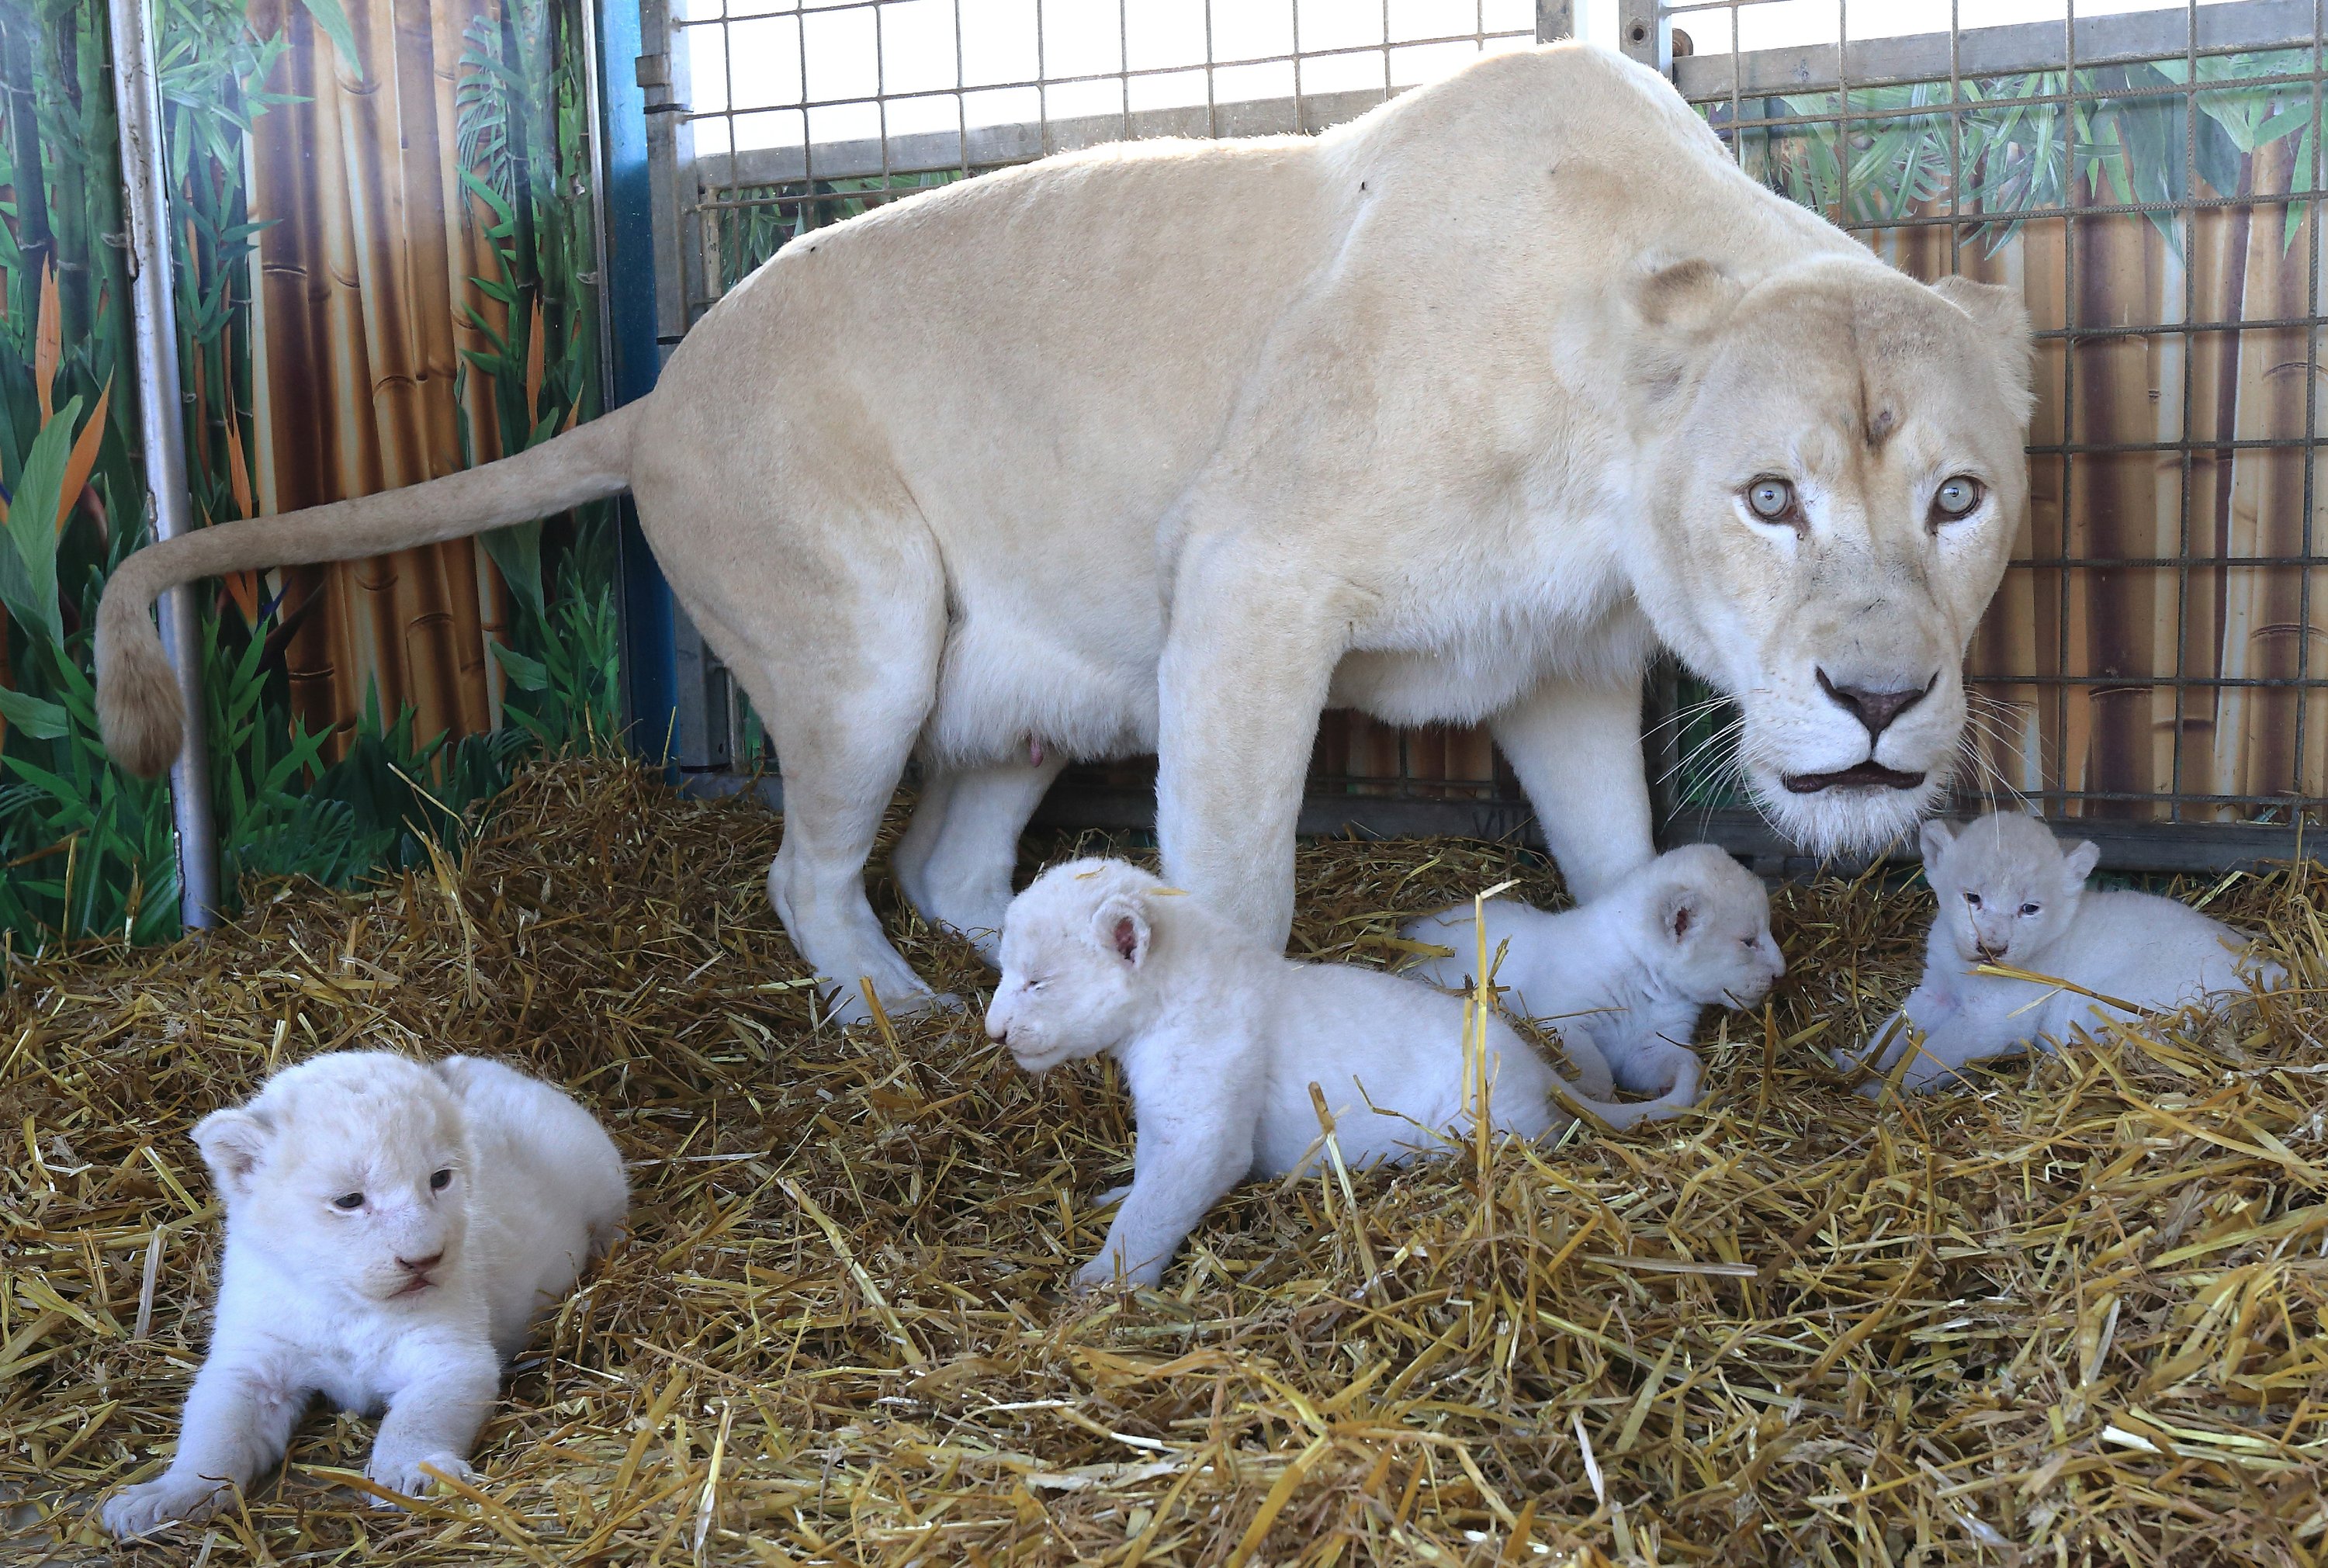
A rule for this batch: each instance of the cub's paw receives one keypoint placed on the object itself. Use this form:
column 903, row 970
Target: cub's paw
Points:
column 141, row 1509
column 404, row 1475
column 1102, row 1274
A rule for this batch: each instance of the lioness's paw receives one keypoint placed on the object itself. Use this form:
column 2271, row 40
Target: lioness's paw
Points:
column 405, row 1476
column 140, row 1509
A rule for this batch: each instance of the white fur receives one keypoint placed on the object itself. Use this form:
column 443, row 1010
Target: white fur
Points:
column 1632, row 970
column 316, row 1300
column 1445, row 414
column 1220, row 1038
column 2010, row 896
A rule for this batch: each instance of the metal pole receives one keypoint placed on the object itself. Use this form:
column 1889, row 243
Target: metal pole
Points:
column 146, row 201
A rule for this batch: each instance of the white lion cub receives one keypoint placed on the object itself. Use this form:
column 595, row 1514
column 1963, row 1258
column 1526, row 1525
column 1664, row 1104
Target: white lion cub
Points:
column 2009, row 894
column 391, row 1230
column 1629, row 972
column 1220, row 1039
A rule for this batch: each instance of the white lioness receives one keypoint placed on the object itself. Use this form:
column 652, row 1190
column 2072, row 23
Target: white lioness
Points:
column 2010, row 896
column 1452, row 413
column 1220, row 1039
column 391, row 1230
column 1632, row 970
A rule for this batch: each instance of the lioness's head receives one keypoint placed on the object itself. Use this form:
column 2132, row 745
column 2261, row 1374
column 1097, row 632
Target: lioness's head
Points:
column 350, row 1170
column 1836, row 477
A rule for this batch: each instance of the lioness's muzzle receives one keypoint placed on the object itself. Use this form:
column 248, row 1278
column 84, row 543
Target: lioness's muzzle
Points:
column 1869, row 775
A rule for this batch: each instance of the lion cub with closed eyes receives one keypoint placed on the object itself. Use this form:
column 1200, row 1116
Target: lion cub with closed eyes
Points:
column 391, row 1231
column 1220, row 1039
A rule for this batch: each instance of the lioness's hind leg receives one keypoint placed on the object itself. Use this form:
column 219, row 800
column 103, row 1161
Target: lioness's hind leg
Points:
column 959, row 874
column 844, row 697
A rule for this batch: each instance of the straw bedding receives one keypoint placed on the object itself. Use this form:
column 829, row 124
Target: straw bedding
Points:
column 2074, row 1316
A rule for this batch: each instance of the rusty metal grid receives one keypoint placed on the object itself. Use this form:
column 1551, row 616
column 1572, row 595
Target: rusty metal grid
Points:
column 1758, row 90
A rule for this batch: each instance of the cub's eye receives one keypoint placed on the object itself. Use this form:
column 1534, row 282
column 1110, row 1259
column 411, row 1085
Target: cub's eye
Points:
column 350, row 1201
column 1772, row 499
column 440, row 1181
column 2029, row 909
column 1037, row 984
column 1958, row 497
column 1973, row 899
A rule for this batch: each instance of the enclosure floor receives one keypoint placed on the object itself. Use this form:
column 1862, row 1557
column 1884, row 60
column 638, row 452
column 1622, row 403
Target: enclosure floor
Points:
column 2076, row 1313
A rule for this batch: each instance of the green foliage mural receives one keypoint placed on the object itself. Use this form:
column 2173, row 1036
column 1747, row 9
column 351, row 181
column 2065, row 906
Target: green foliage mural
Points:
column 84, row 850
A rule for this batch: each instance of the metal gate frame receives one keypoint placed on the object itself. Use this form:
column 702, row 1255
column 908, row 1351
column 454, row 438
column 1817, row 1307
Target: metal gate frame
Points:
column 679, row 706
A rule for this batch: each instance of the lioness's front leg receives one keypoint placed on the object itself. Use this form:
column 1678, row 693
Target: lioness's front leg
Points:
column 1245, row 669
column 1577, row 750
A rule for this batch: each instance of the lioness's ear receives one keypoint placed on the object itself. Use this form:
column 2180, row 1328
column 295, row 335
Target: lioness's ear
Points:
column 1675, row 308
column 2002, row 316
column 2078, row 863
column 234, row 1145
column 1120, row 927
column 1934, row 838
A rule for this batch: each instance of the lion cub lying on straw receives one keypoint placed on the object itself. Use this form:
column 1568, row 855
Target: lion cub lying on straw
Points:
column 391, row 1230
column 1626, row 976
column 2010, row 896
column 1220, row 1040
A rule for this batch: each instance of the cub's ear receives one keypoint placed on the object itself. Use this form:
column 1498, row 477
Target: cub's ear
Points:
column 1674, row 309
column 1680, row 912
column 1934, row 838
column 234, row 1144
column 1120, row 927
column 2078, row 863
column 2004, row 318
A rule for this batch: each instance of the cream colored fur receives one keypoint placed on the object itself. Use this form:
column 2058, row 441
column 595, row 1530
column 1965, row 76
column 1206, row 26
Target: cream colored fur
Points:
column 480, row 1194
column 1448, row 414
column 1221, row 1037
column 2009, row 894
column 1629, row 972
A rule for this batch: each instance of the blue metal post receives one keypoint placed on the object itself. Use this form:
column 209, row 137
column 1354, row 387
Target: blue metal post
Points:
column 650, row 669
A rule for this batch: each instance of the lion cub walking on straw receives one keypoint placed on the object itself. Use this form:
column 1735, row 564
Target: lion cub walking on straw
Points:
column 391, row 1231
column 1626, row 975
column 2010, row 896
column 1220, row 1040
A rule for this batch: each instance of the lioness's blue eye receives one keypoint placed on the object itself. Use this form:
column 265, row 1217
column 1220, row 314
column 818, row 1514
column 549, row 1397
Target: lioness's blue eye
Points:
column 1770, row 499
column 348, row 1200
column 1957, row 497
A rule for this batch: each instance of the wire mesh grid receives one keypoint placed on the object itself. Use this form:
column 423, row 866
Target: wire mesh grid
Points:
column 797, row 115
column 2148, row 174
column 800, row 114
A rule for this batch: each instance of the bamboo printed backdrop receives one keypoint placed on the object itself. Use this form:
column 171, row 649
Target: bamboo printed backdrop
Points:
column 380, row 277
column 399, row 292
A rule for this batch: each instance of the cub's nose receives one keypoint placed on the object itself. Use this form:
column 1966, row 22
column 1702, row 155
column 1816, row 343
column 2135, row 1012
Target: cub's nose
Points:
column 1000, row 1033
column 1988, row 955
column 1876, row 711
column 420, row 1266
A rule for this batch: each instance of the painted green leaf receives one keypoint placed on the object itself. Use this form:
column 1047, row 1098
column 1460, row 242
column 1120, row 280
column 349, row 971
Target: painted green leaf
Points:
column 28, row 572
column 333, row 20
column 527, row 673
column 517, row 552
column 41, row 720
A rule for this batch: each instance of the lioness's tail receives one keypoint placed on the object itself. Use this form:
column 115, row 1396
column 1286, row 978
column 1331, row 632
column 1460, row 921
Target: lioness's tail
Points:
column 137, row 698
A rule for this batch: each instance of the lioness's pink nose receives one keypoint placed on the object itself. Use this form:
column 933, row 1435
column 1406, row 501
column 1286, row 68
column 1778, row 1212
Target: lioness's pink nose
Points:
column 998, row 1033
column 420, row 1266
